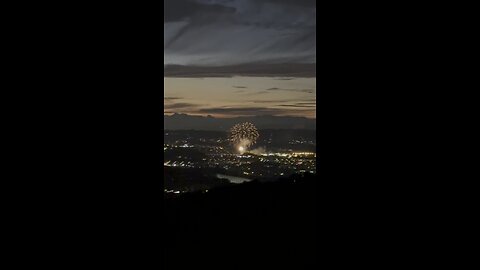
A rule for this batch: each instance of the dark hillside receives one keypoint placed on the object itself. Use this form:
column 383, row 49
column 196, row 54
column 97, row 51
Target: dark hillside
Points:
column 244, row 226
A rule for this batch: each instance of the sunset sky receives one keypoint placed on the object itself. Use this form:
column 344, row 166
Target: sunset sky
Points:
column 240, row 57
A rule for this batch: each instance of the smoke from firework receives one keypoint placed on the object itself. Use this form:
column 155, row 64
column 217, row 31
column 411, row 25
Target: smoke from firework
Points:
column 243, row 135
column 258, row 151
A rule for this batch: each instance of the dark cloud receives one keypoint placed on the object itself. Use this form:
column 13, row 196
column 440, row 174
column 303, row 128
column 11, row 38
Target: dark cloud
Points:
column 303, row 3
column 223, row 33
column 307, row 103
column 291, row 90
column 252, row 70
column 178, row 10
column 268, row 101
column 171, row 98
column 310, row 91
column 180, row 106
column 284, row 79
column 249, row 111
column 261, row 92
column 298, row 102
column 297, row 106
column 239, row 86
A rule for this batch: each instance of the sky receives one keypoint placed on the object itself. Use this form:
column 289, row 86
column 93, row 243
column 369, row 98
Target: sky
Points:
column 228, row 58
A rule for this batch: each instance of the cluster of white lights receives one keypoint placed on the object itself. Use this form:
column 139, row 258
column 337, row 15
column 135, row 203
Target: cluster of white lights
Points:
column 172, row 191
column 295, row 154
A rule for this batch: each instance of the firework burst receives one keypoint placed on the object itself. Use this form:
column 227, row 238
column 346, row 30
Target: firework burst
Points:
column 243, row 136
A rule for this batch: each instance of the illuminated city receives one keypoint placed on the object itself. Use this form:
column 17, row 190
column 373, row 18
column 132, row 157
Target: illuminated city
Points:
column 213, row 153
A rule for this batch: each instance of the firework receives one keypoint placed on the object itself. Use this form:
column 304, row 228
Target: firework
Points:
column 243, row 136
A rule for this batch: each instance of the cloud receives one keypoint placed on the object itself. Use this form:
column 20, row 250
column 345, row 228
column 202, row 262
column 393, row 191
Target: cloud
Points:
column 251, row 70
column 307, row 103
column 268, row 101
column 297, row 106
column 239, row 86
column 178, row 10
column 240, row 91
column 223, row 33
column 261, row 92
column 180, row 106
column 171, row 98
column 250, row 111
column 291, row 90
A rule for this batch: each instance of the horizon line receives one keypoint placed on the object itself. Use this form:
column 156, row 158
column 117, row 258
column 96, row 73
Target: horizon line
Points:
column 229, row 117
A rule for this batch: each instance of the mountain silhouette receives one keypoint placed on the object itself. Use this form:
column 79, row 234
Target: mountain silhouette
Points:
column 180, row 121
column 266, row 225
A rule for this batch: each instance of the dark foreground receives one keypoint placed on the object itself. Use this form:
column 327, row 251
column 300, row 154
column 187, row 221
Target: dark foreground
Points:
column 244, row 227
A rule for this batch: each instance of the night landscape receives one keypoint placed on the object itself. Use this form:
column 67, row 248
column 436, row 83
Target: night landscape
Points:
column 240, row 158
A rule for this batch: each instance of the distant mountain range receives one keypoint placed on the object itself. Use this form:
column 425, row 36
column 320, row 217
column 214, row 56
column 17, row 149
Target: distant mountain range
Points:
column 193, row 122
